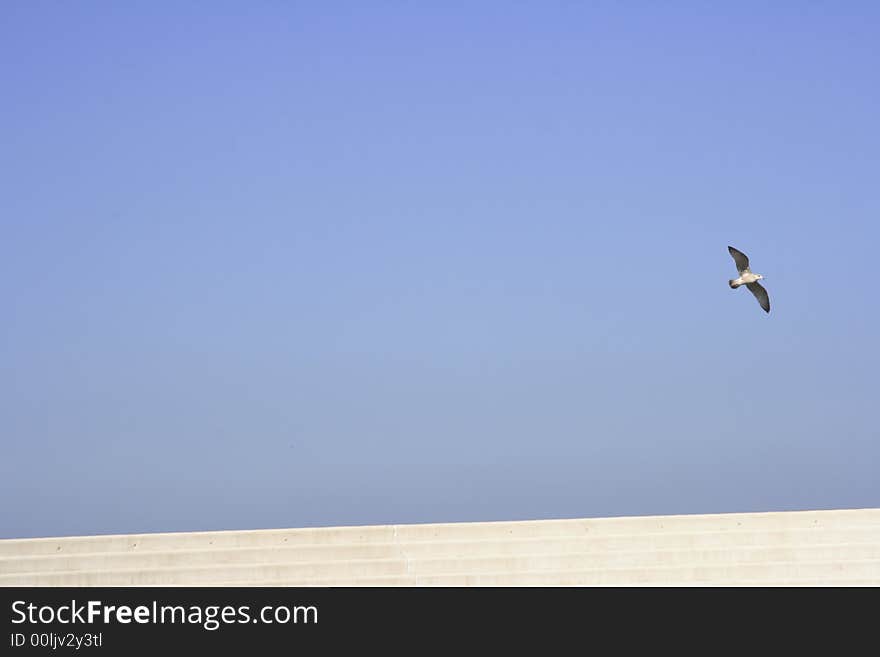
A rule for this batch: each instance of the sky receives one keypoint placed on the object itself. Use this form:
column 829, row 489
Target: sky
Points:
column 282, row 264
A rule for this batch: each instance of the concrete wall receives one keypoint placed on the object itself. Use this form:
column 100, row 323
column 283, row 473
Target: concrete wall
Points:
column 791, row 548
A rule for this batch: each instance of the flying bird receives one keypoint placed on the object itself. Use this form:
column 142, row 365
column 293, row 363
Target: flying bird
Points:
column 747, row 278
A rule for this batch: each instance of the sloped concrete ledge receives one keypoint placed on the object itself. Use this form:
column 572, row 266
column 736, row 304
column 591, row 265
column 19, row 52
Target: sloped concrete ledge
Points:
column 840, row 548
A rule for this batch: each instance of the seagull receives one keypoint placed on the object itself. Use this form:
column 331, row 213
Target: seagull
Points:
column 747, row 278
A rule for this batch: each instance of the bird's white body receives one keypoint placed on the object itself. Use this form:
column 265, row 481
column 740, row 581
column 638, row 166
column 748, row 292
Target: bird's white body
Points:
column 745, row 279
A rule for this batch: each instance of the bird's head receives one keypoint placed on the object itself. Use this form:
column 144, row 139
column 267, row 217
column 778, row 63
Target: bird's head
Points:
column 760, row 276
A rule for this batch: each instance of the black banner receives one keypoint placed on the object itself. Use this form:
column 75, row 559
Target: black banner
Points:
column 123, row 620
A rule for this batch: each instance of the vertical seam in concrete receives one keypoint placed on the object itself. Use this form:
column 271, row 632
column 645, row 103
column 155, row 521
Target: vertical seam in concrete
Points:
column 403, row 552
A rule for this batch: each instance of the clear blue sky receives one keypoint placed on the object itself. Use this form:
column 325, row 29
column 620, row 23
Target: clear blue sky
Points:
column 270, row 264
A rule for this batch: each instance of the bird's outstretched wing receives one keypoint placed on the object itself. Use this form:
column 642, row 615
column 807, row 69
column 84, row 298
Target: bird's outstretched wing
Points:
column 742, row 262
column 760, row 294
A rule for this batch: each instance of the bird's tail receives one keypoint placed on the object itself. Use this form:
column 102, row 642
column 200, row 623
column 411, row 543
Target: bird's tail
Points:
column 733, row 284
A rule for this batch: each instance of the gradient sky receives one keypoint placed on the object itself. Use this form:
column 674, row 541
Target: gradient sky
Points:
column 271, row 264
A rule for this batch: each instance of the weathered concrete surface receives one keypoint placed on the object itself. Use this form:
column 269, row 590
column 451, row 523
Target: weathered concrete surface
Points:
column 781, row 548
